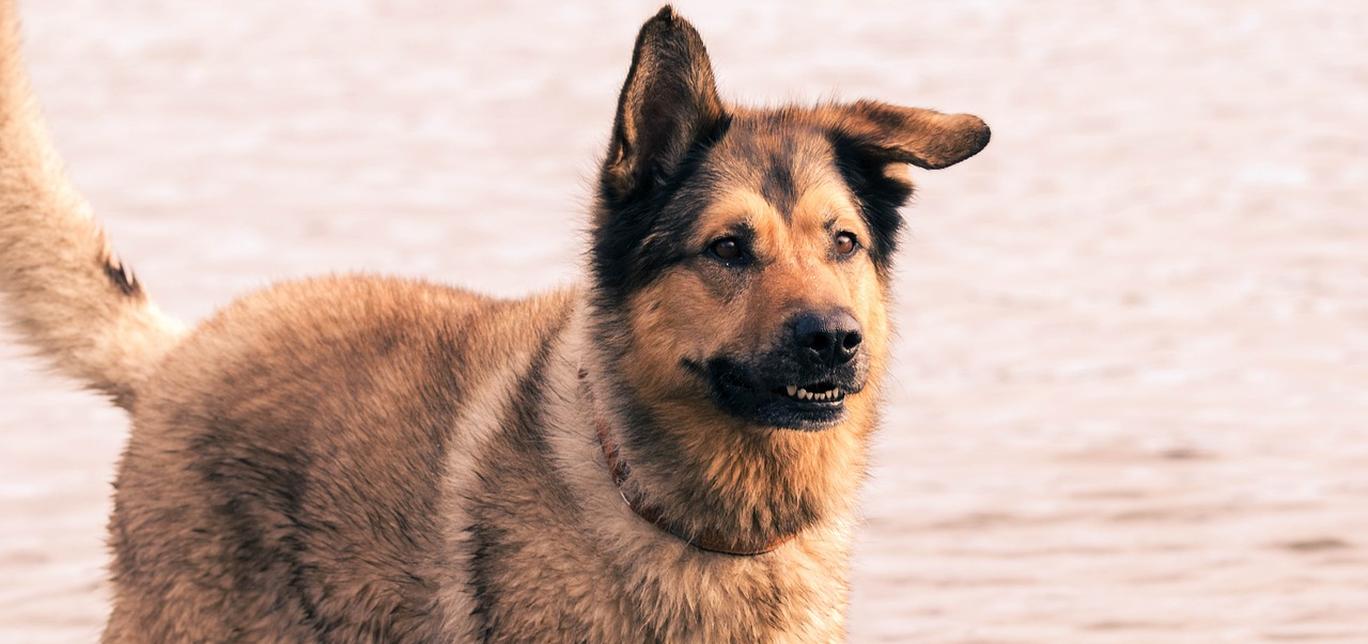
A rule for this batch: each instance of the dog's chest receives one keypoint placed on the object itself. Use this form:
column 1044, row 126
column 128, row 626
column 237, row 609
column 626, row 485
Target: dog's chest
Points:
column 535, row 569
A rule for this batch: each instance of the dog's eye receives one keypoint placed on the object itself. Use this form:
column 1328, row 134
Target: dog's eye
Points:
column 846, row 243
column 728, row 249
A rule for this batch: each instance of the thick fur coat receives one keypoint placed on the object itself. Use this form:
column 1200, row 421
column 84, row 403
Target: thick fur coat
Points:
column 670, row 452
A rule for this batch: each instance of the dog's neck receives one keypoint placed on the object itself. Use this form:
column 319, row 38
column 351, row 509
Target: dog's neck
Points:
column 716, row 483
column 710, row 540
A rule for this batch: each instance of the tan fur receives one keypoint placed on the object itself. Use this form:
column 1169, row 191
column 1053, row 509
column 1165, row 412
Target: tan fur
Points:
column 359, row 458
column 55, row 263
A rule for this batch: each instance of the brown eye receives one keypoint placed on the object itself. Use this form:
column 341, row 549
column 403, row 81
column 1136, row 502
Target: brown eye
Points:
column 845, row 243
column 727, row 249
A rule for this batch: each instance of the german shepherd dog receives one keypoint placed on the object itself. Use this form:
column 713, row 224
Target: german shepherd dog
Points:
column 670, row 452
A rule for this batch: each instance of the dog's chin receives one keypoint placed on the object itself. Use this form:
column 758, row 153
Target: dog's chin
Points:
column 793, row 403
column 780, row 412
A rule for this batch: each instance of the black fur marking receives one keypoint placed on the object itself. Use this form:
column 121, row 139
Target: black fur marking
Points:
column 522, row 418
column 638, row 239
column 880, row 195
column 272, row 483
column 121, row 277
column 524, row 412
column 484, row 554
column 693, row 367
column 777, row 186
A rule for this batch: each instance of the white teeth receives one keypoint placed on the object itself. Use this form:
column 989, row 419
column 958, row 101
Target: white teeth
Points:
column 795, row 391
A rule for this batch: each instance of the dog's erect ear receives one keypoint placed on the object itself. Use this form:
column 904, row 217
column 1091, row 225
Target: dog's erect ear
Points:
column 924, row 138
column 668, row 103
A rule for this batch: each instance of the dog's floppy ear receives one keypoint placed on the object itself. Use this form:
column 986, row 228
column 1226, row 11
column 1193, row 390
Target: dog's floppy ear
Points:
column 668, row 103
column 871, row 138
column 925, row 138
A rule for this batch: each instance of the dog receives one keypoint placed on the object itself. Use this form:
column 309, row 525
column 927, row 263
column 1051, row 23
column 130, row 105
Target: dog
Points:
column 670, row 452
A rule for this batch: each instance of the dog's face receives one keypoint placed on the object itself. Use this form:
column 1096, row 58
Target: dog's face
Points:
column 772, row 305
column 747, row 252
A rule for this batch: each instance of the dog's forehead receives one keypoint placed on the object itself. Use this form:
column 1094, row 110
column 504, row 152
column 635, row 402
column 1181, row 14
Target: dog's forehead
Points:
column 787, row 164
column 779, row 158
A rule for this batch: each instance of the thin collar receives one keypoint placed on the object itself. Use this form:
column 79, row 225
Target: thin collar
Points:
column 709, row 540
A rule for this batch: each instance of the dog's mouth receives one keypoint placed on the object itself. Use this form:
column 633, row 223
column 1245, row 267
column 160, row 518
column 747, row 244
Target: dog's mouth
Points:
column 799, row 403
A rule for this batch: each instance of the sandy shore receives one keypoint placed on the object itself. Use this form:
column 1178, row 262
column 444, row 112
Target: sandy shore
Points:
column 1131, row 394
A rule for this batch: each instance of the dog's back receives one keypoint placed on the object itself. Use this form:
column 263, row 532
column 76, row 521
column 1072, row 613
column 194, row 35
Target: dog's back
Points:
column 284, row 475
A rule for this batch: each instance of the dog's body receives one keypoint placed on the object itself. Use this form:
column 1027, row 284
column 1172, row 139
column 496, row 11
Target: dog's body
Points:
column 368, row 459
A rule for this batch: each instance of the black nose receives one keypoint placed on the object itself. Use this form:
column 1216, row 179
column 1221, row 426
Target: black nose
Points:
column 832, row 338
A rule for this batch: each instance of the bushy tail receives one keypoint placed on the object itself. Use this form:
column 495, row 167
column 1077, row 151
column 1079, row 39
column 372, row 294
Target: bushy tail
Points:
column 63, row 290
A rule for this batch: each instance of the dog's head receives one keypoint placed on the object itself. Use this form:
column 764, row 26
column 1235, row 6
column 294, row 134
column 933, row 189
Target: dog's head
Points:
column 743, row 253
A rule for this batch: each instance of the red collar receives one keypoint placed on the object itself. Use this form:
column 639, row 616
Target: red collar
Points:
column 710, row 540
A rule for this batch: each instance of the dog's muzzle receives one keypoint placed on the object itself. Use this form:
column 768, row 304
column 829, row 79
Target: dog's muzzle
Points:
column 800, row 384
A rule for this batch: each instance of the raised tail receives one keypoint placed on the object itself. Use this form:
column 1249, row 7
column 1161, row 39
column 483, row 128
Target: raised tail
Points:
column 64, row 292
